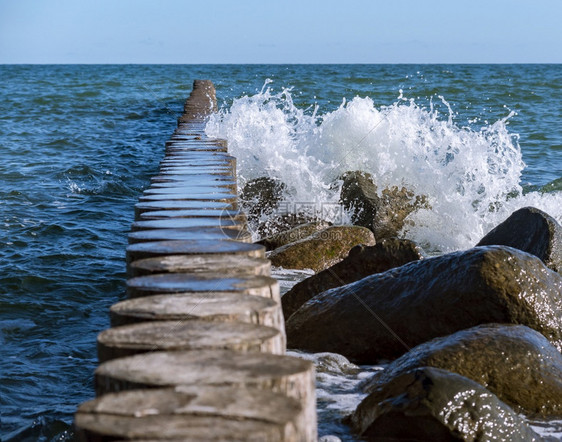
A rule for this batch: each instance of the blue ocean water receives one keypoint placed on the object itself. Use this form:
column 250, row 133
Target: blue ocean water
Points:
column 78, row 144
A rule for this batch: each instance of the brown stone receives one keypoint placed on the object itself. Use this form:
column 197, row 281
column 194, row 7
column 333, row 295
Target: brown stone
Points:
column 514, row 362
column 295, row 234
column 321, row 250
column 361, row 262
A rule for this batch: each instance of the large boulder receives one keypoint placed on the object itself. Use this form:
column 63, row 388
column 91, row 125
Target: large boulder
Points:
column 384, row 214
column 516, row 363
column 430, row 404
column 261, row 196
column 362, row 261
column 322, row 249
column 384, row 315
column 294, row 234
column 532, row 231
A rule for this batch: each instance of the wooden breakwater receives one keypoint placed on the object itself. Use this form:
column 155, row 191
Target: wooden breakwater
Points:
column 196, row 352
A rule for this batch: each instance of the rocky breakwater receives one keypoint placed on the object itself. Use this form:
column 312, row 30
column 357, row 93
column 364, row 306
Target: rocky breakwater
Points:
column 196, row 352
column 474, row 337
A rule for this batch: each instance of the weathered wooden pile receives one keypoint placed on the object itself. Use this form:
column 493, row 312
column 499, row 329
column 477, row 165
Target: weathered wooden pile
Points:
column 196, row 352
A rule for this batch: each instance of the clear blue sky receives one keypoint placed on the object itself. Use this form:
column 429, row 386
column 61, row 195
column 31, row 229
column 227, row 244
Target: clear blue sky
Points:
column 284, row 31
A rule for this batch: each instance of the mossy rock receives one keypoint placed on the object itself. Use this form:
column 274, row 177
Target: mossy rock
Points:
column 321, row 250
column 516, row 363
column 361, row 262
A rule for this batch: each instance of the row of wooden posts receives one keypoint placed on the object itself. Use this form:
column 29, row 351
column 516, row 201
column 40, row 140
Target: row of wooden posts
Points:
column 196, row 351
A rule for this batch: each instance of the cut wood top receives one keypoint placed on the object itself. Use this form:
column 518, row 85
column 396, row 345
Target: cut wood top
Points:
column 224, row 265
column 193, row 247
column 183, row 204
column 213, row 306
column 184, row 223
column 193, row 213
column 201, row 156
column 191, row 334
column 204, row 367
column 202, row 413
column 202, row 282
column 229, row 198
column 207, row 233
column 193, row 191
column 202, row 177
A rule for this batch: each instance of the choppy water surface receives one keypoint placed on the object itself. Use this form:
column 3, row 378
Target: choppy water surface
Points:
column 79, row 143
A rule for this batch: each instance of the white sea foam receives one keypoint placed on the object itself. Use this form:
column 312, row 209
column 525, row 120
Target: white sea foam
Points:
column 470, row 177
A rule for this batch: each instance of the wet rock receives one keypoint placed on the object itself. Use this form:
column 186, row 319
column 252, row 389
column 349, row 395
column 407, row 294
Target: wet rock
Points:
column 295, row 234
column 331, row 363
column 359, row 196
column 384, row 315
column 321, row 250
column 261, row 196
column 362, row 261
column 430, row 404
column 281, row 223
column 384, row 214
column 532, row 231
column 516, row 363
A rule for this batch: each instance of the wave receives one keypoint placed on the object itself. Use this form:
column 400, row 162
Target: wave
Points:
column 470, row 177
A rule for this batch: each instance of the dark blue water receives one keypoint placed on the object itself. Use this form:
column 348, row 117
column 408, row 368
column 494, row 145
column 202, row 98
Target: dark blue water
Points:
column 78, row 145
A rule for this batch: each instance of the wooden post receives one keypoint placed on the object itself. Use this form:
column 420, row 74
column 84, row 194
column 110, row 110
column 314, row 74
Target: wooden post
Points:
column 194, row 334
column 215, row 306
column 195, row 414
column 283, row 374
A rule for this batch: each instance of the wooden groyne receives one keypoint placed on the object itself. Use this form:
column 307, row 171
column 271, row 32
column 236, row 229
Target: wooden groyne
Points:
column 196, row 352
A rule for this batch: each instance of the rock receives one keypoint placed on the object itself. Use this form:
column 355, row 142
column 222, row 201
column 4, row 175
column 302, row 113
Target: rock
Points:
column 382, row 316
column 329, row 438
column 330, row 363
column 295, row 234
column 281, row 223
column 362, row 261
column 261, row 196
column 384, row 214
column 516, row 363
column 430, row 404
column 321, row 250
column 532, row 231
column 359, row 196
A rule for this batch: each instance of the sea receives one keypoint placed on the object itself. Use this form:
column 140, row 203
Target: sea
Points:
column 79, row 143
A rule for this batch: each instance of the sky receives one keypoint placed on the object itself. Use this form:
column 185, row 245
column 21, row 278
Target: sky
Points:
column 284, row 31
